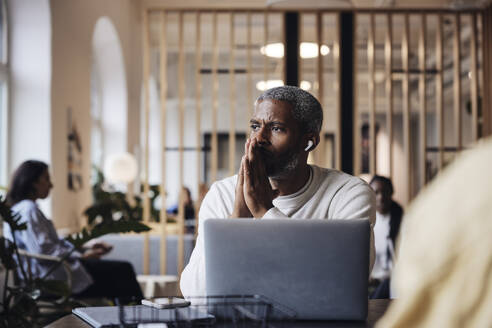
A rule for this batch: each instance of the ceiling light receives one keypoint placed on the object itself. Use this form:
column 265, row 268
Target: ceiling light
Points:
column 262, row 85
column 274, row 50
column 305, row 85
column 308, row 50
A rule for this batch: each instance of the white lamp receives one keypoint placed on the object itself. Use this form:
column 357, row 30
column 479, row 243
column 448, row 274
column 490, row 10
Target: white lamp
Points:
column 120, row 168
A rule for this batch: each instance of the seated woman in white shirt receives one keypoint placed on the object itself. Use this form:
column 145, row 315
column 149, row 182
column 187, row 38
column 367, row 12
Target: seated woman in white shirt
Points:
column 386, row 229
column 91, row 276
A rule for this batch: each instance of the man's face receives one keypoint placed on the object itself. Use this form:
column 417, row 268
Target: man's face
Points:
column 279, row 137
column 383, row 196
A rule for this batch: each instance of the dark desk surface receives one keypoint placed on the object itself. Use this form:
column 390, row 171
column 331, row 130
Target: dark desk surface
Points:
column 376, row 311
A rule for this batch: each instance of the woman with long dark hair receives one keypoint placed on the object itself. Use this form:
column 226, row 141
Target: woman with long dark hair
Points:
column 91, row 276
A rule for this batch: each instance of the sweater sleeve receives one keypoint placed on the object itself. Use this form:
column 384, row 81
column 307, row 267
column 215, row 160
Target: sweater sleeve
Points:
column 357, row 201
column 40, row 236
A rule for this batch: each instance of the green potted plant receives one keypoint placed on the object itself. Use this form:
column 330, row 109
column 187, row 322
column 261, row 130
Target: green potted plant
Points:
column 22, row 304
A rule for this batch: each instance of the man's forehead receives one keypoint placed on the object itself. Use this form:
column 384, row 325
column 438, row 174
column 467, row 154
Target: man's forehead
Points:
column 273, row 108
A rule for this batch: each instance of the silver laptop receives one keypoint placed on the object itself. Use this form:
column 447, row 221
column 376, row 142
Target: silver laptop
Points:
column 318, row 268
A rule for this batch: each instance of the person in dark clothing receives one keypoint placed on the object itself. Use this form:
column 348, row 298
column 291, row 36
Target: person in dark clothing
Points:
column 388, row 220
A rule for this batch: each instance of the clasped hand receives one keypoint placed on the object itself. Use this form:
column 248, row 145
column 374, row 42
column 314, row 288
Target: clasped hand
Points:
column 254, row 193
column 96, row 250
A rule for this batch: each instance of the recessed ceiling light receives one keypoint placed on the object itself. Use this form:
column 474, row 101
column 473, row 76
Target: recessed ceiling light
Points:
column 308, row 50
column 262, row 85
column 305, row 85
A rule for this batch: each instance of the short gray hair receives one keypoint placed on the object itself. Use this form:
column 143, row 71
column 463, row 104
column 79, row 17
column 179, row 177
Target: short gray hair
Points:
column 305, row 107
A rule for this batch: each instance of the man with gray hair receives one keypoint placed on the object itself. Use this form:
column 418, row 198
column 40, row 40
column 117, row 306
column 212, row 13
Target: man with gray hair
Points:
column 275, row 180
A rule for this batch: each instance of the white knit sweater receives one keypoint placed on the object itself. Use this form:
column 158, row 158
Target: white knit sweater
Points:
column 329, row 194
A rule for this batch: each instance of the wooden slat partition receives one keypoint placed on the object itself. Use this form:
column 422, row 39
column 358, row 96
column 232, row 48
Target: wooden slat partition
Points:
column 487, row 71
column 282, row 38
column 163, row 98
column 388, row 64
column 372, row 96
column 337, row 63
column 249, row 77
column 146, row 200
column 457, row 81
column 215, row 97
column 321, row 149
column 371, row 53
column 474, row 76
column 181, row 108
column 439, row 91
column 406, row 105
column 198, row 114
column 356, row 127
column 265, row 43
column 422, row 98
column 232, row 99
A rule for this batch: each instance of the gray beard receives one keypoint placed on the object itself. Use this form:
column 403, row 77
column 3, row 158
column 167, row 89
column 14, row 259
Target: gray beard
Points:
column 283, row 170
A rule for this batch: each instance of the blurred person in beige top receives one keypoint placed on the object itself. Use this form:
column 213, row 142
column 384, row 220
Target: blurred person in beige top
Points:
column 443, row 275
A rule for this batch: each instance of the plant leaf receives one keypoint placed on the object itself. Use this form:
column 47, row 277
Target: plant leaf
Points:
column 103, row 228
column 54, row 287
column 7, row 253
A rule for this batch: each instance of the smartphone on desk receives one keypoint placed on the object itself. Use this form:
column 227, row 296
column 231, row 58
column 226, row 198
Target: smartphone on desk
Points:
column 166, row 302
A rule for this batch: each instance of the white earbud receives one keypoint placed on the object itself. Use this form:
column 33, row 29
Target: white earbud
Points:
column 309, row 145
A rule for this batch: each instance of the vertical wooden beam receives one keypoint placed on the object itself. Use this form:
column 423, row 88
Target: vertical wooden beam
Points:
column 372, row 97
column 338, row 95
column 198, row 102
column 232, row 99
column 422, row 98
column 321, row 149
column 388, row 60
column 439, row 91
column 300, row 60
column 457, row 80
column 181, row 95
column 406, row 105
column 355, row 121
column 163, row 96
column 146, row 200
column 474, row 76
column 249, row 76
column 282, row 38
column 215, row 97
column 265, row 42
column 486, row 72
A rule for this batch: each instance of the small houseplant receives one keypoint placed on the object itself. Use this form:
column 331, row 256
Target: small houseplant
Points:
column 22, row 305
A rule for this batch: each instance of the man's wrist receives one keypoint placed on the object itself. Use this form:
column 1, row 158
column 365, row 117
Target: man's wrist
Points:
column 262, row 211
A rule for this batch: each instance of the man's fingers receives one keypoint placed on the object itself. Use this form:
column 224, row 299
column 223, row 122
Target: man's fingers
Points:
column 248, row 175
column 246, row 147
column 240, row 179
column 251, row 150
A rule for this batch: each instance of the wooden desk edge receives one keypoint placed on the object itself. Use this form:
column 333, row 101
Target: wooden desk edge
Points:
column 376, row 310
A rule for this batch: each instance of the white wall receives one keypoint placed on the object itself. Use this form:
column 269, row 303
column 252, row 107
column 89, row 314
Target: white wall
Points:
column 108, row 64
column 73, row 24
column 30, row 83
